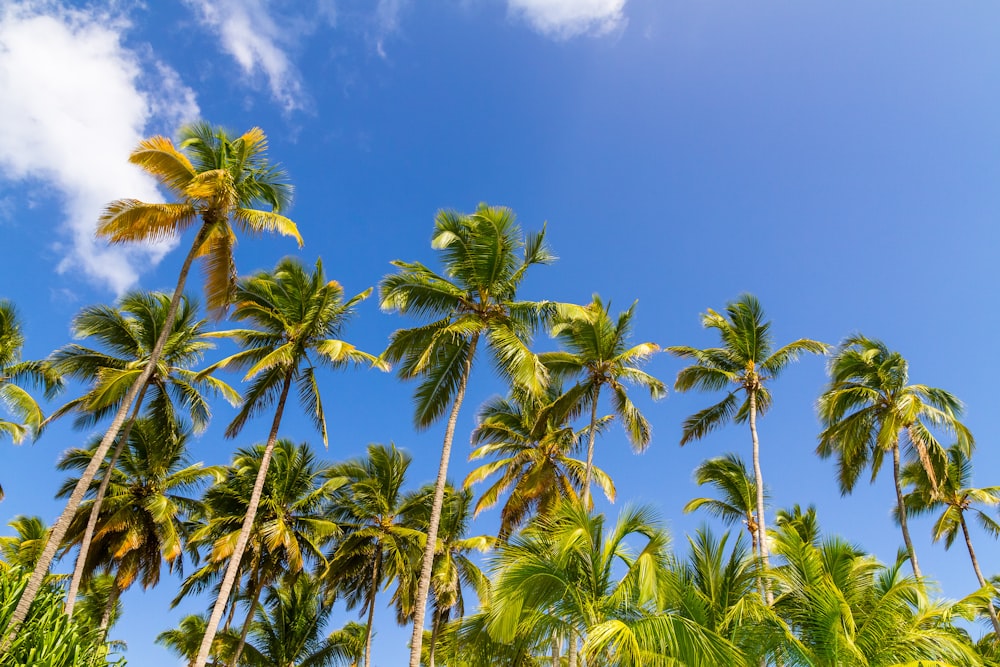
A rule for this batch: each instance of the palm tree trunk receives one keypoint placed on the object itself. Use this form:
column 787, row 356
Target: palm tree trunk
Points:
column 58, row 531
column 372, row 591
column 590, row 450
column 902, row 512
column 979, row 575
column 435, row 627
column 241, row 543
column 556, row 646
column 571, row 653
column 257, row 584
column 109, row 608
column 759, row 479
column 423, row 588
column 95, row 511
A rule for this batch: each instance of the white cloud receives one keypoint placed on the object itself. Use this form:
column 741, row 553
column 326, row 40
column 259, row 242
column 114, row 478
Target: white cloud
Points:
column 563, row 19
column 73, row 109
column 253, row 38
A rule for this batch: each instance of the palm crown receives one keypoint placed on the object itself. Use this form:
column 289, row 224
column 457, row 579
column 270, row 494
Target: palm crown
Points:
column 218, row 180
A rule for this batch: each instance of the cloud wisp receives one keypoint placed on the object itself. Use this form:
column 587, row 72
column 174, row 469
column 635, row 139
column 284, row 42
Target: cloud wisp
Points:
column 563, row 19
column 74, row 107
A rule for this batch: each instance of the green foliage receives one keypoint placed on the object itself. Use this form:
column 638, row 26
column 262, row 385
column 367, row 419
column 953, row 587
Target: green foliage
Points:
column 48, row 638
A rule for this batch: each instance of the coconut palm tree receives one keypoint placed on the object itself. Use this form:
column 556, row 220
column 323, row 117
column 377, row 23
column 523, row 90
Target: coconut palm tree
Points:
column 867, row 408
column 288, row 629
column 531, row 444
column 474, row 298
column 219, row 181
column 185, row 640
column 955, row 497
column 845, row 609
column 738, row 502
column 745, row 362
column 126, row 335
column 599, row 353
column 14, row 372
column 380, row 538
column 143, row 521
column 298, row 317
column 24, row 549
column 570, row 574
column 289, row 531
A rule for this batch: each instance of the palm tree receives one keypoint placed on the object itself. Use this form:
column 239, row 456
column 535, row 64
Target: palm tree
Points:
column 454, row 570
column 868, row 406
column 128, row 333
column 746, row 362
column 598, row 351
column 143, row 521
column 474, row 298
column 592, row 584
column 738, row 503
column 955, row 497
column 298, row 316
column 380, row 540
column 24, row 549
column 291, row 525
column 532, row 444
column 185, row 640
column 288, row 629
column 218, row 180
column 848, row 610
column 715, row 589
column 14, row 372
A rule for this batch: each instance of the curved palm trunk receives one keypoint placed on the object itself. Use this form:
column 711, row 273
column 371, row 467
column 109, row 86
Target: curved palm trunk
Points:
column 587, row 472
column 759, row 479
column 372, row 591
column 95, row 511
column 241, row 543
column 979, row 574
column 258, row 586
column 58, row 531
column 420, row 604
column 902, row 512
column 435, row 627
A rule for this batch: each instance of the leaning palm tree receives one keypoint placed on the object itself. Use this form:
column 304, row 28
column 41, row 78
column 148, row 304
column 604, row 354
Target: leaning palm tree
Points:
column 867, row 409
column 379, row 540
column 219, row 181
column 126, row 335
column 745, row 362
column 475, row 298
column 599, row 353
column 532, row 444
column 14, row 372
column 290, row 527
column 143, row 523
column 298, row 317
column 955, row 497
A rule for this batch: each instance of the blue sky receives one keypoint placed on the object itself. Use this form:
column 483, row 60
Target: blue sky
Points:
column 837, row 159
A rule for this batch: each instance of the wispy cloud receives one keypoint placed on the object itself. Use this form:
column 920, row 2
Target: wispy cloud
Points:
column 563, row 19
column 252, row 36
column 75, row 104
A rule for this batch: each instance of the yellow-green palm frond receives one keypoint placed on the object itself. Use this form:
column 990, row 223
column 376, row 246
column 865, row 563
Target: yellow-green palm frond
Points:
column 134, row 221
column 160, row 158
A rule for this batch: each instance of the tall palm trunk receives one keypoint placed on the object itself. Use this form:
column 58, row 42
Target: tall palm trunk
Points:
column 423, row 587
column 58, row 531
column 435, row 628
column 257, row 586
column 109, row 608
column 902, row 511
column 372, row 591
column 587, row 472
column 95, row 511
column 979, row 575
column 759, row 479
column 241, row 543
column 556, row 646
column 571, row 653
